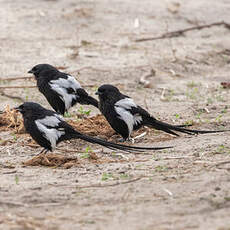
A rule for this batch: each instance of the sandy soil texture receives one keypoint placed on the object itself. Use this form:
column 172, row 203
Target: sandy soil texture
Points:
column 84, row 186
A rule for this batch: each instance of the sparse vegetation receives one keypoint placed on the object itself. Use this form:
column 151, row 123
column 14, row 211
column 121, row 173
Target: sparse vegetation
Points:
column 84, row 112
column 84, row 186
column 106, row 176
column 16, row 178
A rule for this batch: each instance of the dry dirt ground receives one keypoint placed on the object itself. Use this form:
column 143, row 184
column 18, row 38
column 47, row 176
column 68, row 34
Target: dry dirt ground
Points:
column 187, row 187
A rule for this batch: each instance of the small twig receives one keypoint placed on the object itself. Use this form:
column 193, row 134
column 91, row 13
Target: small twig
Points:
column 202, row 162
column 121, row 155
column 10, row 96
column 77, row 150
column 10, row 172
column 178, row 33
column 179, row 157
column 46, row 204
column 110, row 185
column 12, row 203
column 32, row 86
column 18, row 87
column 33, row 145
column 146, row 104
column 221, row 163
column 139, row 136
column 168, row 191
column 144, row 78
column 162, row 98
column 15, row 78
column 90, row 67
column 89, row 85
column 206, row 109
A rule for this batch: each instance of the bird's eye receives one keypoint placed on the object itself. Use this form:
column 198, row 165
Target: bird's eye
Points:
column 70, row 91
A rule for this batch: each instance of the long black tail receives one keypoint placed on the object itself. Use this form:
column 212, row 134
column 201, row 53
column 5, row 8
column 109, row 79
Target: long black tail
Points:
column 114, row 146
column 85, row 99
column 170, row 128
column 91, row 101
column 182, row 126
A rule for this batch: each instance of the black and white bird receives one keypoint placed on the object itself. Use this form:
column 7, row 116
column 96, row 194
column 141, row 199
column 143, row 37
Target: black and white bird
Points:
column 124, row 115
column 48, row 128
column 61, row 90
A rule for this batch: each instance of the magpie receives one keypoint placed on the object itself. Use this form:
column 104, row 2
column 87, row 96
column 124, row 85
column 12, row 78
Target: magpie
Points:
column 48, row 128
column 124, row 115
column 61, row 90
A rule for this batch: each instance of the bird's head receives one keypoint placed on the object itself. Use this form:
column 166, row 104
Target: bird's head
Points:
column 28, row 107
column 42, row 70
column 109, row 92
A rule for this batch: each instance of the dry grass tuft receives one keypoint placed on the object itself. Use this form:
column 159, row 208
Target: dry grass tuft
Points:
column 10, row 120
column 52, row 160
column 94, row 126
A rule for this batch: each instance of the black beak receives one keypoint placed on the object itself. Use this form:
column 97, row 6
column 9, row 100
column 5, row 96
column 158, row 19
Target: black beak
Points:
column 31, row 71
column 98, row 93
column 17, row 109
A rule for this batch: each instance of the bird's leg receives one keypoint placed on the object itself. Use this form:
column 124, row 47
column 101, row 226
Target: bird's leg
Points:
column 43, row 150
column 122, row 140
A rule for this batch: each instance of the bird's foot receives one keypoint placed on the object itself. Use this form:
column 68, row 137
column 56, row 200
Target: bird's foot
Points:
column 132, row 140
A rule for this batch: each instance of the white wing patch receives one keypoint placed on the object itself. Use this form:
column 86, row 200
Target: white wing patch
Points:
column 50, row 134
column 126, row 103
column 61, row 85
column 121, row 107
column 58, row 116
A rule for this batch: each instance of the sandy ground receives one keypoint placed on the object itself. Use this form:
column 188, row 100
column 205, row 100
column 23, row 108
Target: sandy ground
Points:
column 182, row 188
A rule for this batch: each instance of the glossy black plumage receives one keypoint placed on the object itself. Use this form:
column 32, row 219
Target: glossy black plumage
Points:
column 124, row 115
column 48, row 128
column 61, row 90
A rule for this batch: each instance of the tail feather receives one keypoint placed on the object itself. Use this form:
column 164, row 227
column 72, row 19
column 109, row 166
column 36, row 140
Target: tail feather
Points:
column 115, row 146
column 182, row 126
column 91, row 101
column 168, row 128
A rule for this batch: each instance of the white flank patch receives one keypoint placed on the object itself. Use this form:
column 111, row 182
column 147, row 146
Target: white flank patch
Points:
column 121, row 107
column 61, row 85
column 126, row 103
column 52, row 121
column 50, row 134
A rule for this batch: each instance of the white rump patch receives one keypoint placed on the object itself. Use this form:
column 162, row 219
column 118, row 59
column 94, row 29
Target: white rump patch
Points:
column 121, row 107
column 51, row 134
column 61, row 85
